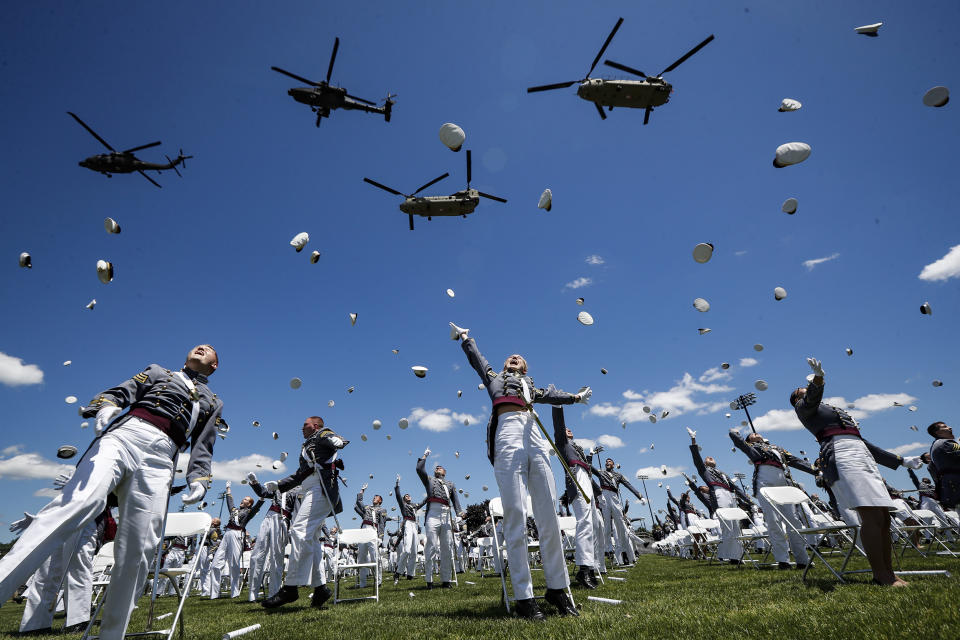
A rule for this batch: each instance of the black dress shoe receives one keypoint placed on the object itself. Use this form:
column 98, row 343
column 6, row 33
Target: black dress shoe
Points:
column 285, row 595
column 735, row 561
column 624, row 556
column 801, row 567
column 429, row 586
column 528, row 609
column 563, row 603
column 784, row 565
column 396, row 578
column 446, row 585
column 320, row 595
column 584, row 579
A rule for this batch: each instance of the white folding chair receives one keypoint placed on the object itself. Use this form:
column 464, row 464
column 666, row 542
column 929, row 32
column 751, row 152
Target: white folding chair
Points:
column 356, row 537
column 102, row 566
column 733, row 516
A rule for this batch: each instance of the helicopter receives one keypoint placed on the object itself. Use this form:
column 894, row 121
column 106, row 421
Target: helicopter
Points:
column 460, row 203
column 124, row 161
column 321, row 97
column 645, row 94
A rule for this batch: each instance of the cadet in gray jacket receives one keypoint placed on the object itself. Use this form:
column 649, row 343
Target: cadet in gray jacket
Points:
column 374, row 516
column 610, row 481
column 439, row 531
column 945, row 464
column 134, row 459
column 407, row 559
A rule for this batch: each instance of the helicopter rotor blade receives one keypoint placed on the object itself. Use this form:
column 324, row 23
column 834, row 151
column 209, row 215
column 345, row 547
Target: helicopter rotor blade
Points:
column 173, row 166
column 603, row 116
column 549, row 87
column 469, row 169
column 363, row 100
column 91, row 131
column 384, row 187
column 295, row 76
column 623, row 67
column 432, row 182
column 411, row 221
column 333, row 58
column 605, row 45
column 150, row 179
column 687, row 55
column 646, row 115
column 143, row 146
column 487, row 195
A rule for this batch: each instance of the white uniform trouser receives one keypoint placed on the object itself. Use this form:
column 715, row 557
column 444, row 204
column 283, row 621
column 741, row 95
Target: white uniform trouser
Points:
column 730, row 548
column 203, row 570
column 78, row 584
column 267, row 555
column 769, row 476
column 583, row 538
column 366, row 552
column 407, row 562
column 133, row 461
column 457, row 553
column 439, row 541
column 174, row 560
column 613, row 520
column 521, row 465
column 304, row 532
column 599, row 535
column 227, row 559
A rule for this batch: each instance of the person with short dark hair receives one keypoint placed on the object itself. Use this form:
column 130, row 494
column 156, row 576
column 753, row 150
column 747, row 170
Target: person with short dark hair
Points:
column 945, row 464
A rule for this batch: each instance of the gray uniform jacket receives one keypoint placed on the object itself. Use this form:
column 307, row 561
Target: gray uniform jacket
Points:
column 824, row 421
column 505, row 385
column 611, row 481
column 240, row 516
column 160, row 392
column 572, row 452
column 372, row 514
column 715, row 479
column 434, row 487
column 315, row 455
column 408, row 510
column 762, row 453
column 284, row 501
column 945, row 469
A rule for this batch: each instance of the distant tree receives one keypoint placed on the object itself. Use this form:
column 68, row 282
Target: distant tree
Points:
column 476, row 514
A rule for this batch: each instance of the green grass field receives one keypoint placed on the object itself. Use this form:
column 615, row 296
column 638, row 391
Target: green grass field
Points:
column 662, row 598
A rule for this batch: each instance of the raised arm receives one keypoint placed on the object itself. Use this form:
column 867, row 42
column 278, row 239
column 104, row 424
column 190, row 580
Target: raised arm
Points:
column 629, row 486
column 251, row 514
column 476, row 360
column 744, row 446
column 914, row 478
column 258, row 488
column 559, row 428
column 358, row 505
column 884, row 457
column 229, row 500
column 697, row 459
column 422, row 472
column 552, row 395
column 297, row 477
column 798, row 463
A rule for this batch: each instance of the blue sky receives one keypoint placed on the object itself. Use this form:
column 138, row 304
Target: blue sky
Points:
column 207, row 259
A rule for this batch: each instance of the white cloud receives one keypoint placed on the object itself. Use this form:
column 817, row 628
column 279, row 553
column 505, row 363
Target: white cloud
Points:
column 749, row 362
column 642, row 450
column 778, row 420
column 945, row 268
column 586, row 443
column 678, row 400
column 656, row 473
column 12, row 449
column 237, row 469
column 742, row 252
column 910, row 448
column 595, row 259
column 48, row 492
column 14, row 373
column 31, row 466
column 714, row 373
column 604, row 410
column 439, row 419
column 882, row 401
column 810, row 264
column 578, row 283
column 610, row 442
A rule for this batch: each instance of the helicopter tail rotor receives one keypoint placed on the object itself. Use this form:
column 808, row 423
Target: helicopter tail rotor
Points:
column 173, row 165
column 388, row 106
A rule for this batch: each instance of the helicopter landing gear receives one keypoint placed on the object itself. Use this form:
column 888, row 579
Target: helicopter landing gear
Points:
column 429, row 217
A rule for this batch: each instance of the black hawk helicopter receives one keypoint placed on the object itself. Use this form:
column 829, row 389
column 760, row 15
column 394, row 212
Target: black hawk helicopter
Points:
column 321, row 97
column 124, row 161
column 460, row 203
column 646, row 94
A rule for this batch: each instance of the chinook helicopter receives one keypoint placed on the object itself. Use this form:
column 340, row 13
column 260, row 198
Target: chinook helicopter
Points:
column 124, row 161
column 652, row 91
column 321, row 97
column 460, row 203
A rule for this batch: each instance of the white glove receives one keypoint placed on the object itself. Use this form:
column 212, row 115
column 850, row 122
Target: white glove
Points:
column 426, row 452
column 364, row 487
column 271, row 486
column 815, row 367
column 104, row 416
column 913, row 462
column 61, row 480
column 584, row 396
column 228, row 484
column 398, row 478
column 22, row 523
column 197, row 491
column 693, row 434
column 458, row 332
column 251, row 477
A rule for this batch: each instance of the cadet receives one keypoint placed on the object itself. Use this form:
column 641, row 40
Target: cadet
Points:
column 407, row 560
column 610, row 481
column 582, row 510
column 231, row 547
column 439, row 531
column 133, row 458
column 271, row 539
column 374, row 516
column 945, row 464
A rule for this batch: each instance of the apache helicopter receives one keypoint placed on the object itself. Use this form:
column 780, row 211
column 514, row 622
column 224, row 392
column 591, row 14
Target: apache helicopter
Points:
column 460, row 203
column 321, row 97
column 646, row 94
column 125, row 161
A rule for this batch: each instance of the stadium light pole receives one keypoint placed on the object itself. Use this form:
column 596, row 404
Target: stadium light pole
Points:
column 742, row 402
column 643, row 479
column 740, row 476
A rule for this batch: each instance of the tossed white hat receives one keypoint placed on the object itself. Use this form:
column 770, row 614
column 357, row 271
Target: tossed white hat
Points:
column 315, row 257
column 758, row 347
column 363, row 437
column 724, row 365
column 603, row 371
column 869, row 29
column 351, row 389
column 353, row 319
column 451, row 293
column 389, row 437
column 70, row 399
column 546, row 200
column 395, row 351
column 459, row 393
column 404, row 423
column 67, row 363
column 84, row 425
column 664, row 414
column 703, row 252
column 276, row 436
column 25, row 261
column 452, row 136
column 789, row 104
column 256, row 423
column 92, row 304
column 791, row 153
column 652, row 418
column 701, row 305
column 466, row 422
column 484, row 488
column 580, row 301
column 912, row 408
column 789, row 206
column 300, row 241
column 466, row 477
column 295, row 383
column 779, row 293
column 704, row 330
column 936, row 97
column 849, row 351
column 276, row 464
column 66, row 452
column 283, row 456
column 585, row 318
column 456, row 454
column 330, row 403
column 646, row 409
column 925, row 309
column 481, row 387
column 663, row 469
column 104, row 271
column 726, row 415
column 111, row 225
column 455, row 331
column 760, row 385
column 376, row 425
column 938, row 383
column 913, row 427
column 419, row 371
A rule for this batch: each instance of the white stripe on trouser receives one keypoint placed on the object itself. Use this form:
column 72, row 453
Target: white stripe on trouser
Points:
column 267, row 555
column 174, row 560
column 304, row 532
column 437, row 525
column 407, row 563
column 135, row 462
column 521, row 465
column 366, row 552
column 613, row 520
column 730, row 548
column 776, row 531
column 583, row 539
column 227, row 560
